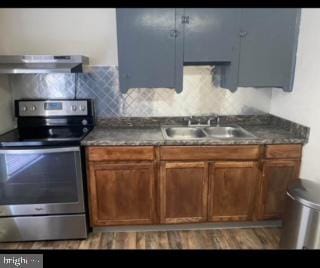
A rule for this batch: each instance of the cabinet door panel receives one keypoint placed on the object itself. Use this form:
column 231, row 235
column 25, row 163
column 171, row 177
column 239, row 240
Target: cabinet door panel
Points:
column 276, row 176
column 122, row 194
column 268, row 47
column 147, row 48
column 211, row 34
column 232, row 190
column 183, row 192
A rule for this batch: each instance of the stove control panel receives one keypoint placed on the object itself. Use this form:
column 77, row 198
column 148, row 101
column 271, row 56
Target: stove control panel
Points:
column 49, row 108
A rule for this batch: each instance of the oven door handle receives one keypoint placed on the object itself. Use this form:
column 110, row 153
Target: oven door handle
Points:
column 40, row 151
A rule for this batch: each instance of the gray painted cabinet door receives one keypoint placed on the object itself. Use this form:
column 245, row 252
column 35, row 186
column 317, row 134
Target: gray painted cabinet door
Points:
column 268, row 47
column 147, row 39
column 210, row 34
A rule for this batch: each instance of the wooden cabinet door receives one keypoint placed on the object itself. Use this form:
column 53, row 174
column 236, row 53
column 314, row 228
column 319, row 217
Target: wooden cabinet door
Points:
column 276, row 176
column 269, row 38
column 122, row 194
column 232, row 190
column 183, row 192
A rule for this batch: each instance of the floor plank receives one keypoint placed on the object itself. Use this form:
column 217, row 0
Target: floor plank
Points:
column 174, row 238
column 140, row 240
column 219, row 240
column 152, row 240
column 266, row 239
column 240, row 238
column 107, row 240
column 194, row 239
column 230, row 238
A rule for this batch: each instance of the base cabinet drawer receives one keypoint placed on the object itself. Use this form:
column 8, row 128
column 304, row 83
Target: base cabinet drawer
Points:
column 284, row 151
column 232, row 190
column 207, row 153
column 122, row 194
column 120, row 153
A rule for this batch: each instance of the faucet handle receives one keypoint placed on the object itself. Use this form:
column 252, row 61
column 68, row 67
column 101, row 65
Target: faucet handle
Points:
column 209, row 120
column 218, row 120
column 189, row 120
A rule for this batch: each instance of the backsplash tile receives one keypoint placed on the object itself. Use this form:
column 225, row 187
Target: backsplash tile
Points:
column 199, row 96
column 42, row 86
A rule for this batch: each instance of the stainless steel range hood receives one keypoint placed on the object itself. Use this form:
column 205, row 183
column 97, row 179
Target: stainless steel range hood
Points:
column 34, row 64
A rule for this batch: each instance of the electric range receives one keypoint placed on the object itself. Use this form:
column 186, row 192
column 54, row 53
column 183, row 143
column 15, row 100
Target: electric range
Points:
column 42, row 171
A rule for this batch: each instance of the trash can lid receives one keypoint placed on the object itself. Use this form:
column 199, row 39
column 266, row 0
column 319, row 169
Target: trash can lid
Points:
column 306, row 192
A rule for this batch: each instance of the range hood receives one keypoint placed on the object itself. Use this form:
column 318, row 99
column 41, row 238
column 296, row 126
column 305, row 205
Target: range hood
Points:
column 35, row 64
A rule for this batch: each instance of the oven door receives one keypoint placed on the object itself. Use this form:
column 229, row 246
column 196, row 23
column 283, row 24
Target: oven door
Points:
column 41, row 181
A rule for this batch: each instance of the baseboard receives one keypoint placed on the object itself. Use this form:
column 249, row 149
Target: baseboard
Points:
column 198, row 226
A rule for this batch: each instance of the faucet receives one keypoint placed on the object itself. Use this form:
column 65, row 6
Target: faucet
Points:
column 199, row 123
column 218, row 121
column 190, row 122
column 209, row 121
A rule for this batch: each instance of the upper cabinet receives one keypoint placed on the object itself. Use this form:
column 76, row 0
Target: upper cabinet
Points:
column 268, row 47
column 210, row 34
column 249, row 47
column 211, row 37
column 148, row 51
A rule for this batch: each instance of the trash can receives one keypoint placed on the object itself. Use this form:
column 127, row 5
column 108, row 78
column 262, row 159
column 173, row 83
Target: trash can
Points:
column 301, row 221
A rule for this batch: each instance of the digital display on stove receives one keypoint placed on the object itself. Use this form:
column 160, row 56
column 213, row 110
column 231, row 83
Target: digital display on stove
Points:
column 53, row 106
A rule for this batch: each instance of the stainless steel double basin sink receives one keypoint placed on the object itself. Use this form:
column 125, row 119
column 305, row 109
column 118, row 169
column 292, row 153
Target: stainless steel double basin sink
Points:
column 214, row 132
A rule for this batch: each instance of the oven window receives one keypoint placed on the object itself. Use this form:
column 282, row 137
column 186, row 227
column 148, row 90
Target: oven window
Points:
column 38, row 178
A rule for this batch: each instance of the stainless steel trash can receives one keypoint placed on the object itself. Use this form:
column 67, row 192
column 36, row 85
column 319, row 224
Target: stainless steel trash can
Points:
column 301, row 221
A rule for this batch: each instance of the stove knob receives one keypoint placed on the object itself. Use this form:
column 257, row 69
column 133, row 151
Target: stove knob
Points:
column 74, row 107
column 33, row 108
column 82, row 108
column 84, row 122
column 85, row 130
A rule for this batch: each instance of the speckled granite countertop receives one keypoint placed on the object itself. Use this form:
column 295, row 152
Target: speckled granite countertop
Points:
column 124, row 136
column 268, row 129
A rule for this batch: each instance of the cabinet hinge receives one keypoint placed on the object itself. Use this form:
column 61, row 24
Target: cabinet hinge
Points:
column 173, row 33
column 185, row 19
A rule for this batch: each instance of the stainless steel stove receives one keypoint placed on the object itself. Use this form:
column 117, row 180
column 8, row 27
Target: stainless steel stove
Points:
column 42, row 171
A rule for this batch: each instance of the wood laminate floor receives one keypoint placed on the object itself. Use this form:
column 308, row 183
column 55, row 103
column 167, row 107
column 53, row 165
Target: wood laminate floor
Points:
column 249, row 238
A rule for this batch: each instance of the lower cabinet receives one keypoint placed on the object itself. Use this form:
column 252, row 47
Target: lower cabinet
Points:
column 122, row 194
column 143, row 185
column 183, row 192
column 276, row 176
column 232, row 190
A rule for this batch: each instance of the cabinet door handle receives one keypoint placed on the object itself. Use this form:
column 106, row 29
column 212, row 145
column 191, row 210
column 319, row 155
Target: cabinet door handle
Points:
column 243, row 33
column 173, row 33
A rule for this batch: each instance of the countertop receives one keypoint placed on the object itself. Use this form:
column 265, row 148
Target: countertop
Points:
column 272, row 130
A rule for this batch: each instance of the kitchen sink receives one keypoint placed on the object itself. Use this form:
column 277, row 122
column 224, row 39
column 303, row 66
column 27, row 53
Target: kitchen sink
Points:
column 184, row 132
column 194, row 132
column 227, row 132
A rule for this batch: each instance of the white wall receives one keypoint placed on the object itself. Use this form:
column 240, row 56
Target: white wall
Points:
column 6, row 111
column 303, row 104
column 86, row 31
